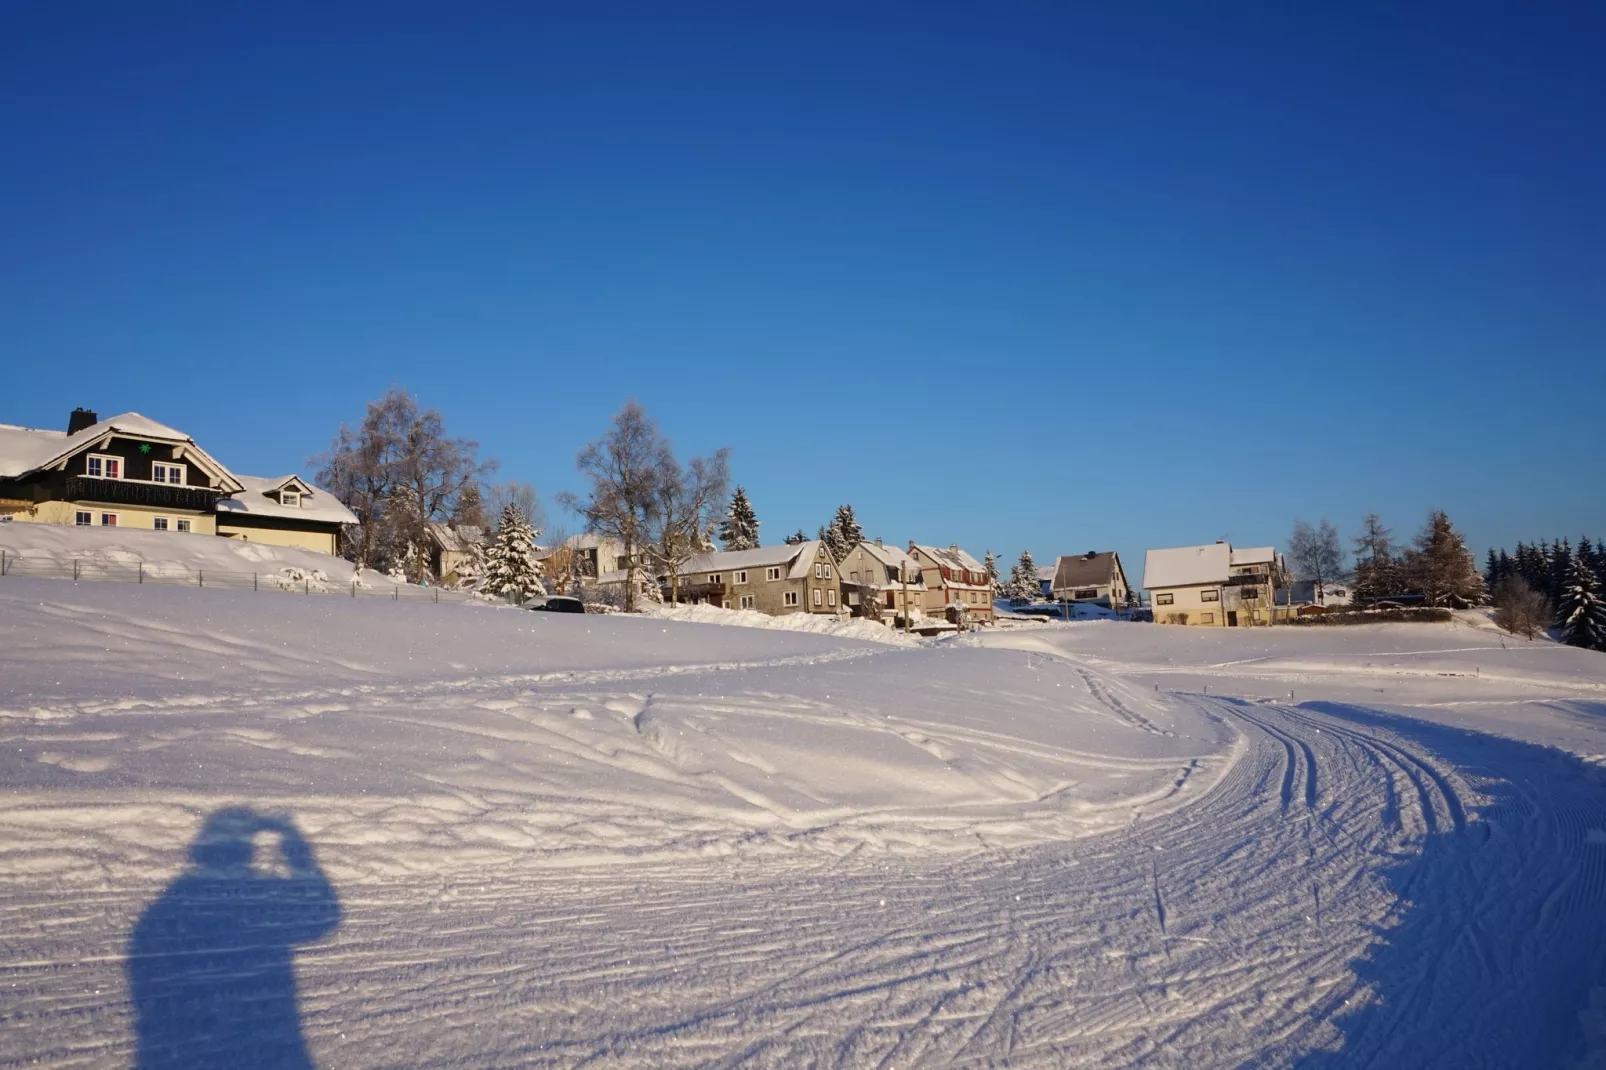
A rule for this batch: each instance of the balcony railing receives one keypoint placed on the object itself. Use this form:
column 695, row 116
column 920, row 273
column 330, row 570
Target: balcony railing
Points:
column 140, row 492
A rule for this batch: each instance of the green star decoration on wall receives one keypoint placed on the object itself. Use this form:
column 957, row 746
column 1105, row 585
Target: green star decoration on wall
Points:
column 144, row 447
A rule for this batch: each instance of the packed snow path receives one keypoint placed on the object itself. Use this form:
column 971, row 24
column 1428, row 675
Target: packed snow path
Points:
column 1324, row 885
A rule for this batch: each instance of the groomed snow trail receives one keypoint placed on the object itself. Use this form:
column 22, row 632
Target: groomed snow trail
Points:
column 1351, row 890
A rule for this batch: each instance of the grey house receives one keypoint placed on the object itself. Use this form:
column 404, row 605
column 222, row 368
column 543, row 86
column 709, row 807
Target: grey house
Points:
column 1091, row 577
column 778, row 580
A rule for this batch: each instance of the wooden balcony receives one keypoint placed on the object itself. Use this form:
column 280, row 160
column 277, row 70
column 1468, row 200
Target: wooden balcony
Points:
column 139, row 492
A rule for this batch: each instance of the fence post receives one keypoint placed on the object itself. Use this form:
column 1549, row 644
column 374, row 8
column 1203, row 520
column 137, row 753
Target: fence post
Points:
column 437, row 596
column 200, row 577
column 253, row 581
column 306, row 585
column 75, row 570
column 2, row 562
column 354, row 587
column 142, row 572
column 395, row 593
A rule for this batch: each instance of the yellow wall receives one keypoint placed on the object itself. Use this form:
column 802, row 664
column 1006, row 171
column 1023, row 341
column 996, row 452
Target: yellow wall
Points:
column 137, row 517
column 320, row 541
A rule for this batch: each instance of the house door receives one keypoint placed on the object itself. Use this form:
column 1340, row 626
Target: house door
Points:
column 1232, row 618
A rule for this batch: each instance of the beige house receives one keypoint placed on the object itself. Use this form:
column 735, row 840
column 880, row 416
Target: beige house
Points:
column 593, row 559
column 1214, row 584
column 892, row 577
column 1091, row 577
column 953, row 578
column 129, row 471
column 778, row 580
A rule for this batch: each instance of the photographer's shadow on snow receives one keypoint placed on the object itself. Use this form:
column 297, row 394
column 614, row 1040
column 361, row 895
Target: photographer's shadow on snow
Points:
column 210, row 963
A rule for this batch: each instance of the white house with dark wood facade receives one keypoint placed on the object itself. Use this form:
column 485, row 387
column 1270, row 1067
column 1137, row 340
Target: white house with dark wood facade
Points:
column 129, row 471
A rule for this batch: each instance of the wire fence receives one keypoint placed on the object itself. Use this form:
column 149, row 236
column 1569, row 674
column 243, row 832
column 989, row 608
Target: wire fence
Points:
column 289, row 580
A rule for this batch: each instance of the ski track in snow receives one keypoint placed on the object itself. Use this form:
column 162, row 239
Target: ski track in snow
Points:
column 637, row 867
column 1218, row 932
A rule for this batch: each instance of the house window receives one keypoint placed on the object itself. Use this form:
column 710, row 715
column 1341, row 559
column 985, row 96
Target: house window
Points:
column 818, row 574
column 747, row 601
column 1207, row 618
column 159, row 523
column 772, row 573
column 108, row 520
column 167, row 473
column 1256, row 616
column 183, row 524
column 715, row 577
column 819, row 596
column 741, row 577
column 102, row 466
column 855, row 575
column 830, row 598
column 789, row 598
column 1089, row 593
column 1209, row 596
column 292, row 498
column 853, row 598
column 85, row 518
column 1163, row 599
column 890, row 603
column 827, row 571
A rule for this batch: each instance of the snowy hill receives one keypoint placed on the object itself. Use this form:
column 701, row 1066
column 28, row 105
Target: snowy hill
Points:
column 492, row 838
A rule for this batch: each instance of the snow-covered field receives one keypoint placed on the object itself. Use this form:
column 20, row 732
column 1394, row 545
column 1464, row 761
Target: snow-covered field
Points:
column 487, row 837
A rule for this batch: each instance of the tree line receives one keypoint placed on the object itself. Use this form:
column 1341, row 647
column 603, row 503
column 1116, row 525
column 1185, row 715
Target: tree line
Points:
column 1551, row 585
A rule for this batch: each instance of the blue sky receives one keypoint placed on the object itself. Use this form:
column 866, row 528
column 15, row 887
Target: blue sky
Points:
column 1013, row 276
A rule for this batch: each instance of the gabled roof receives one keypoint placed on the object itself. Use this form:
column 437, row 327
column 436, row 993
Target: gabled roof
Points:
column 259, row 496
column 1092, row 569
column 24, row 450
column 1255, row 555
column 456, row 540
column 952, row 556
column 799, row 556
column 1186, row 566
column 892, row 556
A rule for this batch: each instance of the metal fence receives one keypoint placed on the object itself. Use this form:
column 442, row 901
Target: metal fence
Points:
column 172, row 574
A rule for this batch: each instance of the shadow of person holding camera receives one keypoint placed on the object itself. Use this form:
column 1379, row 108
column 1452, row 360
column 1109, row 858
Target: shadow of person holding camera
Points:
column 210, row 963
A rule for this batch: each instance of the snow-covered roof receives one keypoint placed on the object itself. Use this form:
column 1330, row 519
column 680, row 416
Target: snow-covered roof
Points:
column 1046, row 574
column 952, row 556
column 891, row 556
column 456, row 540
column 1255, row 555
column 1185, row 566
column 259, row 496
column 29, row 449
column 798, row 555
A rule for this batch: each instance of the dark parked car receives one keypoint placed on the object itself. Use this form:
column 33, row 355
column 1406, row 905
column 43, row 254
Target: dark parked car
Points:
column 559, row 603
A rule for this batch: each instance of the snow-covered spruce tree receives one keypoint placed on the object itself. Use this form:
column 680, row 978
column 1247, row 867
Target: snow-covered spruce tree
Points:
column 511, row 570
column 1441, row 567
column 990, row 565
column 1024, row 586
column 1582, row 616
column 848, row 531
column 739, row 529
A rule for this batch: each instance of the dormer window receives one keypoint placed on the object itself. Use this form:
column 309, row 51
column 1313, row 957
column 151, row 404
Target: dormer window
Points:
column 167, row 473
column 104, row 466
column 292, row 498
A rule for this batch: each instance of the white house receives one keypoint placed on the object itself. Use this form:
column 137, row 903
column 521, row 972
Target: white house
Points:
column 1214, row 584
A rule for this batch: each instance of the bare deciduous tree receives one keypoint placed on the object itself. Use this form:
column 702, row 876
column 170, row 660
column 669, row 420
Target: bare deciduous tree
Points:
column 498, row 496
column 398, row 471
column 625, row 467
column 1520, row 609
column 1316, row 554
column 690, row 504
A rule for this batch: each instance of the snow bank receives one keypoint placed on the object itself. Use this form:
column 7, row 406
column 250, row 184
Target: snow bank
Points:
column 815, row 623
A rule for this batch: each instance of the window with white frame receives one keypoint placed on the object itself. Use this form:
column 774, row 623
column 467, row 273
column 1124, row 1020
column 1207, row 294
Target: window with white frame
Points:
column 1209, row 596
column 747, row 601
column 819, row 571
column 819, row 596
column 789, row 598
column 741, row 577
column 827, row 571
column 1164, row 599
column 853, row 598
column 162, row 472
column 1088, row 593
column 103, row 466
column 159, row 523
column 84, row 518
column 715, row 578
column 108, row 520
column 772, row 574
column 183, row 523
column 830, row 598
column 292, row 498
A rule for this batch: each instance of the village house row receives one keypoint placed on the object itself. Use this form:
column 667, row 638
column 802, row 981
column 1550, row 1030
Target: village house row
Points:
column 129, row 471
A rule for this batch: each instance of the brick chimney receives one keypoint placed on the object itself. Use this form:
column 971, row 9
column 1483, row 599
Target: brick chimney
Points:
column 80, row 419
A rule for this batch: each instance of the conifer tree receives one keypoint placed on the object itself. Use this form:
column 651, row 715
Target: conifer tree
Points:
column 1375, row 567
column 1582, row 616
column 843, row 533
column 1024, row 586
column 1441, row 566
column 990, row 564
column 1561, row 569
column 798, row 536
column 739, row 529
column 511, row 570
